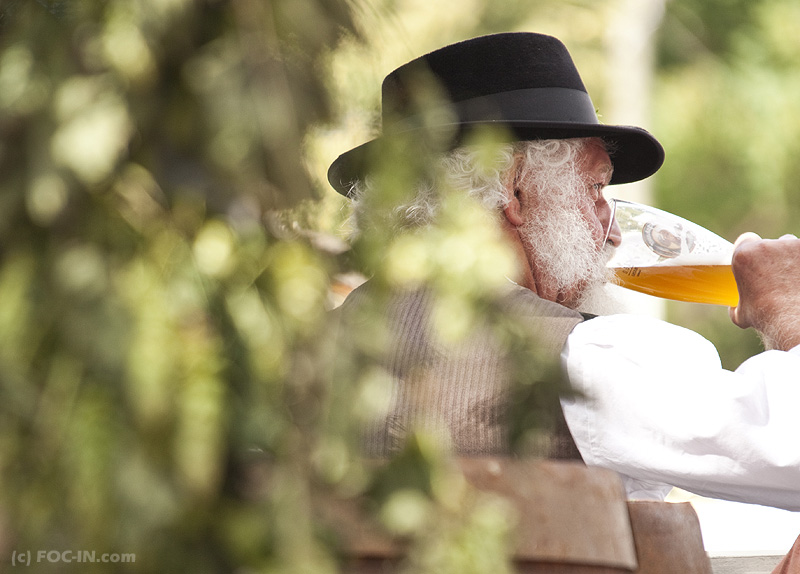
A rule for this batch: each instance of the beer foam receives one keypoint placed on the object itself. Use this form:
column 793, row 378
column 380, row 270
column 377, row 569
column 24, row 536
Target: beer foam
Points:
column 634, row 252
column 718, row 257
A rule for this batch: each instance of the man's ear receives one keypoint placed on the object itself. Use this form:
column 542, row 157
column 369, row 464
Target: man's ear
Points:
column 513, row 211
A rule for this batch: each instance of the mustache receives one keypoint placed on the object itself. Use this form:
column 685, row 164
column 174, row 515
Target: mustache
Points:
column 608, row 252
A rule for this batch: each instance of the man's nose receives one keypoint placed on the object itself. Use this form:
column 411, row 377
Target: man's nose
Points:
column 614, row 234
column 613, row 231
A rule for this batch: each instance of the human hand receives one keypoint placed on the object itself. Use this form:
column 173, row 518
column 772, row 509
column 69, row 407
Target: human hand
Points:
column 767, row 273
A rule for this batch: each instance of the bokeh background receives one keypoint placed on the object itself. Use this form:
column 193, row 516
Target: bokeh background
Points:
column 170, row 251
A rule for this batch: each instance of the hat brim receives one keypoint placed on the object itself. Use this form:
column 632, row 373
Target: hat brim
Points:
column 636, row 154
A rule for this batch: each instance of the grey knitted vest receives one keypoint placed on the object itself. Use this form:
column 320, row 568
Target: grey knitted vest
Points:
column 457, row 392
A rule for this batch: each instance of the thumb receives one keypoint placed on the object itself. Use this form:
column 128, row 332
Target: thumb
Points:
column 747, row 236
column 736, row 314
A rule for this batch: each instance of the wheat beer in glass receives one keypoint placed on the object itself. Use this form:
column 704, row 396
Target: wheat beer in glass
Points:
column 667, row 256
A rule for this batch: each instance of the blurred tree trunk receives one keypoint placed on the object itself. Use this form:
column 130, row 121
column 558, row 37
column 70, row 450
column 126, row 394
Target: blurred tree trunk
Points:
column 630, row 43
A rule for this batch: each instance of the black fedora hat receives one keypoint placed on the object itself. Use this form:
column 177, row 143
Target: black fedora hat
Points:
column 523, row 82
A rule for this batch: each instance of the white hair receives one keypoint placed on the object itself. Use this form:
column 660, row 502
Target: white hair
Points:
column 555, row 232
column 481, row 175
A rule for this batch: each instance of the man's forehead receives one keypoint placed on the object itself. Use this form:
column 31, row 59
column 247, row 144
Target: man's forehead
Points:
column 596, row 157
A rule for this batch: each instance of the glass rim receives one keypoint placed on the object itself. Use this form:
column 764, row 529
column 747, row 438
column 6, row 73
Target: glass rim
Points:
column 613, row 203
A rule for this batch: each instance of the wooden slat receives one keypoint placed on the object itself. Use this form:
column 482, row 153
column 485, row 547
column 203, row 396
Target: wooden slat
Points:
column 668, row 538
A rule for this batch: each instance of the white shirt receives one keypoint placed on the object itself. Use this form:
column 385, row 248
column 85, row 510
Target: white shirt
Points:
column 660, row 410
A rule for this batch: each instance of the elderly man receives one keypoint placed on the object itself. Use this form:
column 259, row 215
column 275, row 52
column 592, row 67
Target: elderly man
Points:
column 736, row 439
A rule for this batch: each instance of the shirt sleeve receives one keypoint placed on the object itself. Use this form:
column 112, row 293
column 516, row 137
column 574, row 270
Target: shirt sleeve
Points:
column 655, row 405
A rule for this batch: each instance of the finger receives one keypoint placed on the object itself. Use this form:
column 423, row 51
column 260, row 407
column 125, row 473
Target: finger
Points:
column 788, row 236
column 747, row 236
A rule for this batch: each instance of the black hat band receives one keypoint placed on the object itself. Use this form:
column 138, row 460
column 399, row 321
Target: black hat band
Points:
column 551, row 105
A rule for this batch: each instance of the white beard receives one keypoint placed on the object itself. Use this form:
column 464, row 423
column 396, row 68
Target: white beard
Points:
column 560, row 242
column 601, row 300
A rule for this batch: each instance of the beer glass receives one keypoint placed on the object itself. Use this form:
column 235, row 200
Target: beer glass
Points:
column 667, row 256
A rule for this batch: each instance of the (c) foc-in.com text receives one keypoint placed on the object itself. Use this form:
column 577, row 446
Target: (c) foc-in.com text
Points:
column 28, row 557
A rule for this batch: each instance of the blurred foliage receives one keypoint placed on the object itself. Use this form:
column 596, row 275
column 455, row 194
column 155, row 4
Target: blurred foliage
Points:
column 159, row 327
column 707, row 27
column 169, row 251
column 726, row 113
column 156, row 334
column 166, row 346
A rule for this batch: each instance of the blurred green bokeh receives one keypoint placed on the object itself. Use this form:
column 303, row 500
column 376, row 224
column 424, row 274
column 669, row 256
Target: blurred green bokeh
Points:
column 161, row 326
column 166, row 277
column 170, row 251
column 726, row 112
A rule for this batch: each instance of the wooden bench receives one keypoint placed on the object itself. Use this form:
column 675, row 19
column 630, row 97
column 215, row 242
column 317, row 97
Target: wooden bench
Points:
column 573, row 519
